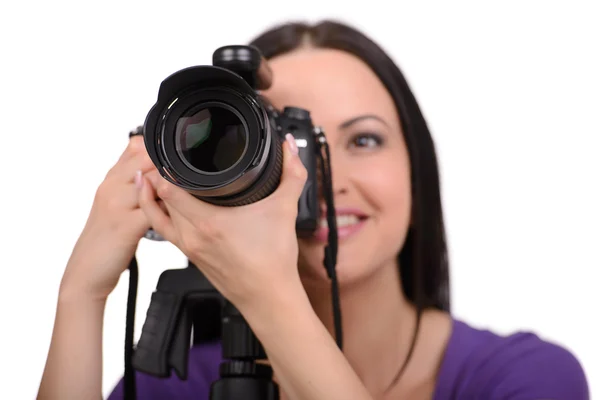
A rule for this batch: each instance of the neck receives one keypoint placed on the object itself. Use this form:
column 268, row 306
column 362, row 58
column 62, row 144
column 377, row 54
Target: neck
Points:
column 377, row 324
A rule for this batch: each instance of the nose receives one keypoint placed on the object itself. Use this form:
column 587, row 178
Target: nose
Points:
column 339, row 177
column 339, row 180
column 339, row 171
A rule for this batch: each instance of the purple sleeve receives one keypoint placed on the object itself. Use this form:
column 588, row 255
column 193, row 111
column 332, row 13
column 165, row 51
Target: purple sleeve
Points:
column 535, row 369
column 150, row 388
column 517, row 367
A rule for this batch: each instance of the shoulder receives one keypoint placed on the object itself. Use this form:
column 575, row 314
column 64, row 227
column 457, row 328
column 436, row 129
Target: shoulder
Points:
column 203, row 370
column 481, row 364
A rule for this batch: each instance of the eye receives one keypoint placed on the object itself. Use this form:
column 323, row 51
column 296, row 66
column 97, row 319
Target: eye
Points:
column 366, row 140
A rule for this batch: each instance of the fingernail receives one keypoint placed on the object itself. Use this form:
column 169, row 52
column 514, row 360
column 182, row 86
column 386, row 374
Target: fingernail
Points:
column 138, row 179
column 292, row 143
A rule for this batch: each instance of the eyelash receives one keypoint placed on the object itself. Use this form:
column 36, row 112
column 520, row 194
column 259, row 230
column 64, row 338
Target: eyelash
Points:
column 368, row 136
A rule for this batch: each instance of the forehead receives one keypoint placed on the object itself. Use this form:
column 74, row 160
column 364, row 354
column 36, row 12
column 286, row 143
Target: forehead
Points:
column 332, row 84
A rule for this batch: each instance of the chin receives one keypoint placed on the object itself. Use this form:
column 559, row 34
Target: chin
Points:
column 350, row 267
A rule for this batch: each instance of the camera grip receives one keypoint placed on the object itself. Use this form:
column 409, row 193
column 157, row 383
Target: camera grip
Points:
column 308, row 203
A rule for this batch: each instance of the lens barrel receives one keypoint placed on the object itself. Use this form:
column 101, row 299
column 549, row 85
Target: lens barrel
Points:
column 210, row 134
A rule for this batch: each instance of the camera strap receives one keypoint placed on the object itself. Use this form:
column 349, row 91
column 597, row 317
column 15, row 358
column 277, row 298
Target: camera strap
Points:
column 331, row 248
column 129, row 375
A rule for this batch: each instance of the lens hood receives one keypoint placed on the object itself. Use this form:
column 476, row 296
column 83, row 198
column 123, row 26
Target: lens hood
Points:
column 179, row 84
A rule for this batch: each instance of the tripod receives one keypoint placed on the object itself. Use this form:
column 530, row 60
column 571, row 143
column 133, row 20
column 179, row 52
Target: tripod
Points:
column 166, row 334
column 240, row 376
column 164, row 343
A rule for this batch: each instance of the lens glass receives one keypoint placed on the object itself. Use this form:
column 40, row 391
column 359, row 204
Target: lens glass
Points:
column 210, row 139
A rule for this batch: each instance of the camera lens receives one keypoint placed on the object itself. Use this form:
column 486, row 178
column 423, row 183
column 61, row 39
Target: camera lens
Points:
column 210, row 139
column 210, row 134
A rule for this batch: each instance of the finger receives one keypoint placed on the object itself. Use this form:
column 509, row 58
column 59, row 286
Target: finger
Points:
column 128, row 196
column 141, row 162
column 117, row 196
column 293, row 175
column 182, row 224
column 159, row 220
column 126, row 169
column 183, row 227
column 162, row 206
column 139, row 222
column 134, row 146
column 179, row 200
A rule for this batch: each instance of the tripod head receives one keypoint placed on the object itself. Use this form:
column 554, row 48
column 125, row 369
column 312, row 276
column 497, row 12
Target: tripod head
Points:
column 165, row 339
column 166, row 334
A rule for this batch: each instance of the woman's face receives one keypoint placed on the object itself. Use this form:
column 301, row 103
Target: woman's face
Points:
column 369, row 159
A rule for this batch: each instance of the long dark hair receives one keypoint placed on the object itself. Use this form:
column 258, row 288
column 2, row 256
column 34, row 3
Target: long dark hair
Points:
column 423, row 260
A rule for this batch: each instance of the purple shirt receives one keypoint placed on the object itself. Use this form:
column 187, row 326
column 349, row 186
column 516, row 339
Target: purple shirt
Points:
column 478, row 364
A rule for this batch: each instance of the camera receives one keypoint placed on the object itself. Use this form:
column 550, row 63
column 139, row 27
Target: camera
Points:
column 212, row 134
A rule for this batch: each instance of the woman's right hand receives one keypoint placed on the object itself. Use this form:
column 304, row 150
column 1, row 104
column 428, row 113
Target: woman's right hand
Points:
column 113, row 230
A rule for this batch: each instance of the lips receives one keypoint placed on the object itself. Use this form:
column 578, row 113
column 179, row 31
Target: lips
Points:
column 349, row 221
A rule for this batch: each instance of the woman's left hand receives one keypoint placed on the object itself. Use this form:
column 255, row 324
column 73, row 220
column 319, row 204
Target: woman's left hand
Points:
column 246, row 252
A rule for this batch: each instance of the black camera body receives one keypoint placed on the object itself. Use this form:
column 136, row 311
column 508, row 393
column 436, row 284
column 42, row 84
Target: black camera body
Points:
column 213, row 134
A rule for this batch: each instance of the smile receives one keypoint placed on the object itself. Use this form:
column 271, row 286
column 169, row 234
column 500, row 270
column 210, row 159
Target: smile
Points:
column 349, row 222
column 341, row 221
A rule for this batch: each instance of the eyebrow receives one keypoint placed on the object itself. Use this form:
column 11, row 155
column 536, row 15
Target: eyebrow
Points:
column 354, row 120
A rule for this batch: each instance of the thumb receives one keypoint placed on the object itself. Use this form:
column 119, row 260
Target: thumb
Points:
column 294, row 174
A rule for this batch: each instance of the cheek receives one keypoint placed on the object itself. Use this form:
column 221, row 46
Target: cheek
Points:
column 382, row 188
column 388, row 192
column 383, row 179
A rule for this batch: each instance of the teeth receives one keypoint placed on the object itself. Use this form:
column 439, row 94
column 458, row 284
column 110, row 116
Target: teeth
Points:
column 341, row 221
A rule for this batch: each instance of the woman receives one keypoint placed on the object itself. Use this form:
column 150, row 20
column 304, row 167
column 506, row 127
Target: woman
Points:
column 400, row 341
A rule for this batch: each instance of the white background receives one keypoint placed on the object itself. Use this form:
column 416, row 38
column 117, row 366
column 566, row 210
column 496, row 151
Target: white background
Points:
column 511, row 93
